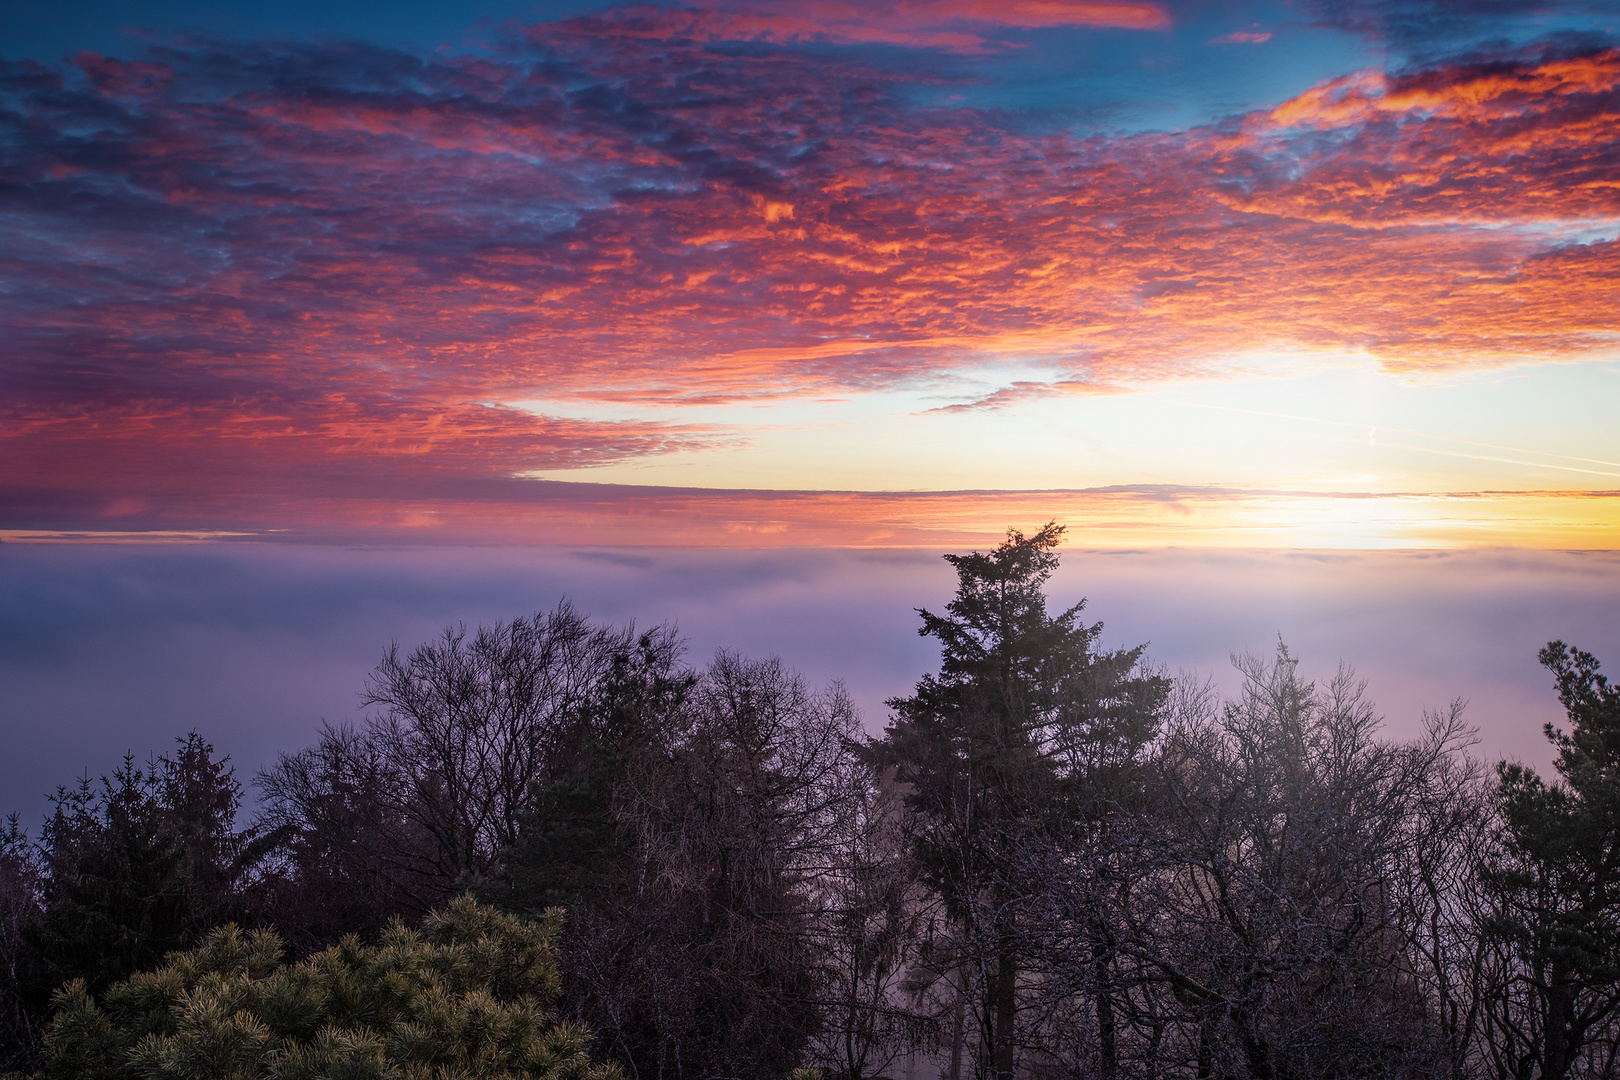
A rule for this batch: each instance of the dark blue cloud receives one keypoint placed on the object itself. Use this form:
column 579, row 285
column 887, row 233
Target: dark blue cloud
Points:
column 1424, row 31
column 49, row 32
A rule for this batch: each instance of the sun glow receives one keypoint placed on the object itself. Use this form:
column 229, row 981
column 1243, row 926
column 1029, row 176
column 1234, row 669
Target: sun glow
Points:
column 395, row 293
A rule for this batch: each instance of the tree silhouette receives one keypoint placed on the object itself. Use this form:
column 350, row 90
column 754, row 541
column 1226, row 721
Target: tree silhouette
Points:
column 1557, row 883
column 996, row 749
column 141, row 864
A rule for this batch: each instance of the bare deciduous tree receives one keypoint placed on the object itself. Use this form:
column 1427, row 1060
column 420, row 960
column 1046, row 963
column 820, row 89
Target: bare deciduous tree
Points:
column 869, row 917
column 1275, row 923
column 470, row 722
column 401, row 811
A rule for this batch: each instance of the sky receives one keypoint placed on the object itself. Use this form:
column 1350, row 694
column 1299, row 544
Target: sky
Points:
column 431, row 290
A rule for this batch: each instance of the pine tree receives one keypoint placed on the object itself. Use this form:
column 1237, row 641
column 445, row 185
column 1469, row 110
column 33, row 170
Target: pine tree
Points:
column 1557, row 882
column 1001, row 749
column 465, row 996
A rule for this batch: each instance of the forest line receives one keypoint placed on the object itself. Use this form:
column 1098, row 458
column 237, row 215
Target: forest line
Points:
column 1054, row 862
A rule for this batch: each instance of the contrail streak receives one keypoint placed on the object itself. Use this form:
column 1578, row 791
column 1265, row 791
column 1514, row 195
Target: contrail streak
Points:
column 1439, row 438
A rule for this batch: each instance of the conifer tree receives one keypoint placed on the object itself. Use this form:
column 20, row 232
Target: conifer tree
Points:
column 1557, row 883
column 999, row 749
column 141, row 864
column 465, row 996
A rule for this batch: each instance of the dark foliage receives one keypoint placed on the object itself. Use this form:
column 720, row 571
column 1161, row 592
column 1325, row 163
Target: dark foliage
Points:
column 1556, row 887
column 399, row 814
column 20, row 908
column 1054, row 863
column 141, row 864
column 684, row 857
column 998, row 751
column 146, row 861
column 465, row 996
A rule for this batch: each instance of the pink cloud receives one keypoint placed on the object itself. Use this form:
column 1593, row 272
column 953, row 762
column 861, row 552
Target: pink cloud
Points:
column 950, row 25
column 247, row 280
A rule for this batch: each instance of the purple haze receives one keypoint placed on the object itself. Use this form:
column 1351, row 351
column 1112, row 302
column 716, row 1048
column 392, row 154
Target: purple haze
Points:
column 107, row 649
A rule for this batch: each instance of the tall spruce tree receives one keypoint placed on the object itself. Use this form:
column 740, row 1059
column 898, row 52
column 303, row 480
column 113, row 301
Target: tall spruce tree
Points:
column 998, row 750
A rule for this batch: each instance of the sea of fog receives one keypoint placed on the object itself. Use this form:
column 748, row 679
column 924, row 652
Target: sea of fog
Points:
column 107, row 650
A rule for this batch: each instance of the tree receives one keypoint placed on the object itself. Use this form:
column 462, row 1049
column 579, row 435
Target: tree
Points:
column 571, row 847
column 145, row 863
column 471, row 723
column 464, row 996
column 1274, row 916
column 996, row 748
column 1439, row 893
column 1556, row 888
column 397, row 815
column 348, row 855
column 869, row 919
column 692, row 946
column 20, row 910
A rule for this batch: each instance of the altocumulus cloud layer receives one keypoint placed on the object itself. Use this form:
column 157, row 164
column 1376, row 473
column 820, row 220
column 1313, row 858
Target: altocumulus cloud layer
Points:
column 294, row 272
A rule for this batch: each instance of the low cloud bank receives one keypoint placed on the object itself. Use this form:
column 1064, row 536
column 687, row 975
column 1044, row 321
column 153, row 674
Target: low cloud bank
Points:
column 107, row 649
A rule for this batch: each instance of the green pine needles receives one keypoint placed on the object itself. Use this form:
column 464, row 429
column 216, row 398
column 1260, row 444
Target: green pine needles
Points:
column 464, row 997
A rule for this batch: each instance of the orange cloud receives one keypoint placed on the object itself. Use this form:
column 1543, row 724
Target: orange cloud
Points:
column 1122, row 14
column 245, row 278
column 1488, row 92
column 606, row 514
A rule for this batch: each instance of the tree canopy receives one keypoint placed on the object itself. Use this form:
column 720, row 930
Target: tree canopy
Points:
column 1556, row 882
column 465, row 996
column 1025, row 721
column 1053, row 862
